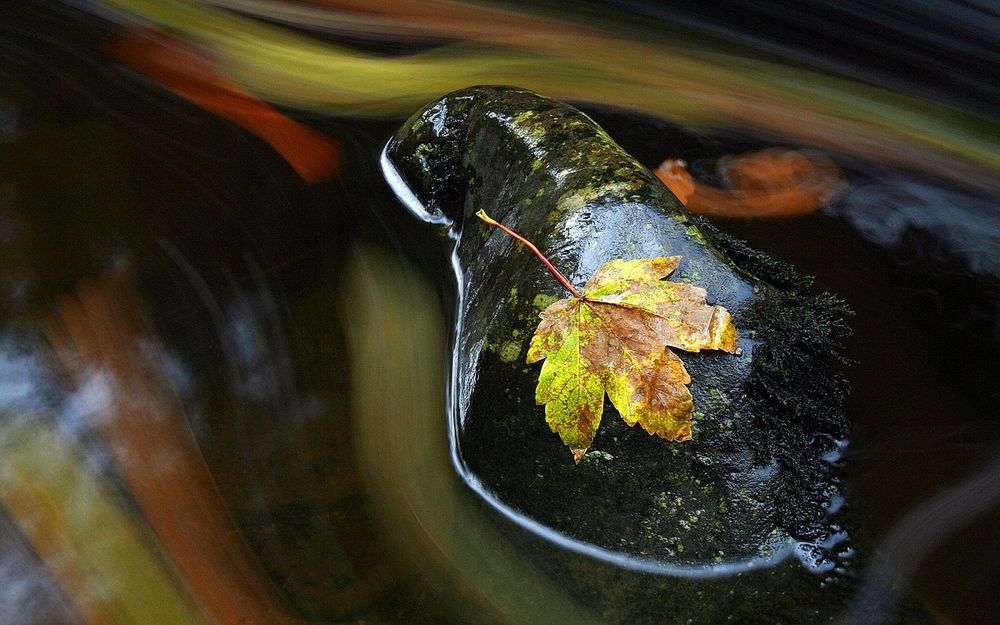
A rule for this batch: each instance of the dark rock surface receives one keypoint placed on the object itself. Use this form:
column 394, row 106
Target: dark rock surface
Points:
column 757, row 479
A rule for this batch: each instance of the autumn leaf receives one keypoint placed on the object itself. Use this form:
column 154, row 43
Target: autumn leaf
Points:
column 615, row 337
column 772, row 183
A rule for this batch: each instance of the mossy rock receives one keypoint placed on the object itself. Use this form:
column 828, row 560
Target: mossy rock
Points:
column 756, row 483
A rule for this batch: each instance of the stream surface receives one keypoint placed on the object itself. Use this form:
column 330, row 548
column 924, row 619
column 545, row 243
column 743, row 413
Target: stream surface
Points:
column 197, row 345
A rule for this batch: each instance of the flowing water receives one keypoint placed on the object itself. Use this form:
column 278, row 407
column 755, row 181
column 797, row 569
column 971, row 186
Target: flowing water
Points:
column 224, row 370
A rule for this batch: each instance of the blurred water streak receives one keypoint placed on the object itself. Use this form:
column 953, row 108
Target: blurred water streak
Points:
column 593, row 57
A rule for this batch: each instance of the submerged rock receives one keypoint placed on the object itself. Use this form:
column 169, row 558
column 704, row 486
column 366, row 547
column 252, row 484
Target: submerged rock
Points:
column 756, row 482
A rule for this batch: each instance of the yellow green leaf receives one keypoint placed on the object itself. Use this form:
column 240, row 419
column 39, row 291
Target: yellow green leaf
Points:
column 616, row 338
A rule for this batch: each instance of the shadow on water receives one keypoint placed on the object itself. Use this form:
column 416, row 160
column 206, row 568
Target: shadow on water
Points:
column 222, row 388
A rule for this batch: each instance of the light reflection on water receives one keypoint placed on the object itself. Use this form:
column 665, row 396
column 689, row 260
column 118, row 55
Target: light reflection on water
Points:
column 251, row 423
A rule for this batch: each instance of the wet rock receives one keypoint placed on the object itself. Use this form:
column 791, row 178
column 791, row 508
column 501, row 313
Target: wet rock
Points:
column 756, row 482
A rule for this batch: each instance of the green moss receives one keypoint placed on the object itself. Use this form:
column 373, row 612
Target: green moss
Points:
column 510, row 351
column 695, row 234
column 543, row 301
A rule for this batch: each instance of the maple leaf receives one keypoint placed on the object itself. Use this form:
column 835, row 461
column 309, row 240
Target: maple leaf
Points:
column 615, row 338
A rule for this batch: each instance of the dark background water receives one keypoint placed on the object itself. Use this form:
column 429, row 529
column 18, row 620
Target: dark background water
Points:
column 942, row 50
column 241, row 267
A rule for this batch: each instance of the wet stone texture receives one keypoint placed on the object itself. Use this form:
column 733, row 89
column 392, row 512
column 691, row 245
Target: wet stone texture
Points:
column 757, row 477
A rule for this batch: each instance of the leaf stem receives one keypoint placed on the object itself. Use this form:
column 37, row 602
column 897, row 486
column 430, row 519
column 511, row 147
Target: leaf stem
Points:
column 545, row 261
